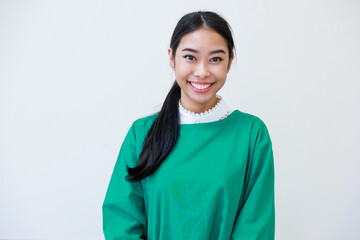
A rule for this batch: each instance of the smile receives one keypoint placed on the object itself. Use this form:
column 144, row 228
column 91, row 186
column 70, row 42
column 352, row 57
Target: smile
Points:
column 200, row 86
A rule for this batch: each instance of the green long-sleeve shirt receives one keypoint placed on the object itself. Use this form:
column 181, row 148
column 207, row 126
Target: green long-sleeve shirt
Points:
column 217, row 183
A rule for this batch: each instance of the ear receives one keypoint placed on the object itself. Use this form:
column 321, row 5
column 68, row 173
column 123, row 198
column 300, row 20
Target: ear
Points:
column 230, row 61
column 171, row 58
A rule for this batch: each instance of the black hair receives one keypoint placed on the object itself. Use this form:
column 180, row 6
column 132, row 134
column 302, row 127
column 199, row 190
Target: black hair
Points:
column 164, row 132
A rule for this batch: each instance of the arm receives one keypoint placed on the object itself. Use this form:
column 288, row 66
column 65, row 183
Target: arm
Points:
column 256, row 219
column 123, row 207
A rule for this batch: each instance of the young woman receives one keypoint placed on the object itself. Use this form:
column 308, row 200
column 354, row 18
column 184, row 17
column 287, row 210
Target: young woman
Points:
column 196, row 169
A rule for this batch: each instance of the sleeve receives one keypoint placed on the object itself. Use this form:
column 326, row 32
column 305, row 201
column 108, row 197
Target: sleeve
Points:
column 123, row 208
column 256, row 219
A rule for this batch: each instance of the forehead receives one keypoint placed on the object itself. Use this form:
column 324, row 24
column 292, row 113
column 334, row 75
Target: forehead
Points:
column 203, row 39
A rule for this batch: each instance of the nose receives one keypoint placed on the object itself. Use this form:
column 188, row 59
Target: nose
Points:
column 202, row 70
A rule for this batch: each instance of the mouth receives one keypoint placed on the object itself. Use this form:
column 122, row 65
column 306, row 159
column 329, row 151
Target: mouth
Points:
column 201, row 86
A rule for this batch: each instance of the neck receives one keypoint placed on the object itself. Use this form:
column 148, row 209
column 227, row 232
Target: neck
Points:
column 199, row 108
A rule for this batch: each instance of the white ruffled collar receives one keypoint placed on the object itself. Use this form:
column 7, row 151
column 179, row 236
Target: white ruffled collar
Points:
column 218, row 112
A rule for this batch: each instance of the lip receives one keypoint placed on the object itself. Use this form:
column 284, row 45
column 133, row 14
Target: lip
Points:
column 201, row 83
column 201, row 90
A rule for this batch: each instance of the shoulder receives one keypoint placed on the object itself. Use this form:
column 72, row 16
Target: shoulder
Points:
column 138, row 131
column 249, row 119
column 144, row 123
column 141, row 126
column 255, row 127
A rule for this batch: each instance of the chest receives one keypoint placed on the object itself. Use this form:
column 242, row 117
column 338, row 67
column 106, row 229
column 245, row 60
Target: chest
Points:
column 202, row 163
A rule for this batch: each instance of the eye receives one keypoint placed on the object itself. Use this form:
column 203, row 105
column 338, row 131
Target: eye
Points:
column 189, row 57
column 216, row 59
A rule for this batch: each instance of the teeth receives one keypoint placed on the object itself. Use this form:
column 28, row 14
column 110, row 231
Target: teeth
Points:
column 200, row 86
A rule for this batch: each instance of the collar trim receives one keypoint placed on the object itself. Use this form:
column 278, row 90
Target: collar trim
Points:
column 218, row 112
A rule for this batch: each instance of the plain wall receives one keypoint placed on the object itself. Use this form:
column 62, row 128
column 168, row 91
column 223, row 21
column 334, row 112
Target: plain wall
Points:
column 74, row 75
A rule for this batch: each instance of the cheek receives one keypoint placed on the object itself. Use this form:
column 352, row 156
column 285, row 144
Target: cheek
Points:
column 182, row 70
column 221, row 73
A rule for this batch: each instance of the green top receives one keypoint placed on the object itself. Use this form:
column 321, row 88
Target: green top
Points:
column 217, row 183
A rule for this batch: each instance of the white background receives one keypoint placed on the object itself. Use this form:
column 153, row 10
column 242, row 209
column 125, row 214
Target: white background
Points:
column 74, row 75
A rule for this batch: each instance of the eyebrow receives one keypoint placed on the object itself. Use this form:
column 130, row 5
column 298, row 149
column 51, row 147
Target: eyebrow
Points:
column 195, row 51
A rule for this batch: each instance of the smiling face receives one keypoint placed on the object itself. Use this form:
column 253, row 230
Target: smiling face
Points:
column 201, row 64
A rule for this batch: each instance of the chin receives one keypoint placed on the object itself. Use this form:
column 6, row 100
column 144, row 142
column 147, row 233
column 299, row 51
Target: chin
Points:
column 203, row 99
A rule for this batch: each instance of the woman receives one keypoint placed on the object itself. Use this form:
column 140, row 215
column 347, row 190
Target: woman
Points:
column 197, row 169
